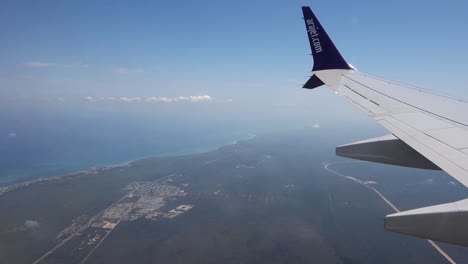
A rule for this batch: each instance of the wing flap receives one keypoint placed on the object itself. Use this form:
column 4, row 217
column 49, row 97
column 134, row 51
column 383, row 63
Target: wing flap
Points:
column 454, row 136
column 453, row 161
column 421, row 121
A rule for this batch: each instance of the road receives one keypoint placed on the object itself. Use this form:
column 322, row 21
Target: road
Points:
column 369, row 184
column 88, row 224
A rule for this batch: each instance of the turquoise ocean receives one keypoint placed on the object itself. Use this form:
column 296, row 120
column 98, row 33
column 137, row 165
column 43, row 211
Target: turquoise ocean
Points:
column 38, row 146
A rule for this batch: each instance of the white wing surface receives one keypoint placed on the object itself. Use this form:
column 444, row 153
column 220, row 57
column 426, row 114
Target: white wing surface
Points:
column 433, row 125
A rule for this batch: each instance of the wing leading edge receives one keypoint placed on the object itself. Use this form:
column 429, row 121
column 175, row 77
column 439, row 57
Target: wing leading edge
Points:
column 428, row 131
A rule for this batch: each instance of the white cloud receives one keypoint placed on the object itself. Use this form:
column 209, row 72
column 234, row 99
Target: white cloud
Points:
column 153, row 99
column 121, row 70
column 76, row 65
column 122, row 99
column 124, row 70
column 31, row 224
column 192, row 98
column 130, row 99
column 160, row 99
column 44, row 64
column 316, row 126
column 12, row 135
column 199, row 98
column 429, row 181
column 40, row 64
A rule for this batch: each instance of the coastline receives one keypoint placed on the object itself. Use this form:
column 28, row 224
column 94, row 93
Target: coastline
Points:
column 97, row 169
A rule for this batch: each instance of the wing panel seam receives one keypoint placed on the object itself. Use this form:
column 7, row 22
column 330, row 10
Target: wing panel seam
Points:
column 422, row 143
column 403, row 102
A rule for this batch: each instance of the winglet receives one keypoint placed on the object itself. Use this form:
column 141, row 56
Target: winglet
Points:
column 313, row 82
column 326, row 56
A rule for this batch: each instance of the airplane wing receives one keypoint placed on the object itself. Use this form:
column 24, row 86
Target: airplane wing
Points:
column 428, row 130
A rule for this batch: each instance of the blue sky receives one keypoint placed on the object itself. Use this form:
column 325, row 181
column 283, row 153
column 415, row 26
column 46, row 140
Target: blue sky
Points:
column 107, row 81
column 249, row 57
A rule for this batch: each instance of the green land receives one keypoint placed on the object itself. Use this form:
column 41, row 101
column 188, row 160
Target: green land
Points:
column 264, row 200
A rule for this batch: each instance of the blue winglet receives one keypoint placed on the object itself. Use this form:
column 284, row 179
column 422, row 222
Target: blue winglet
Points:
column 313, row 82
column 326, row 56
